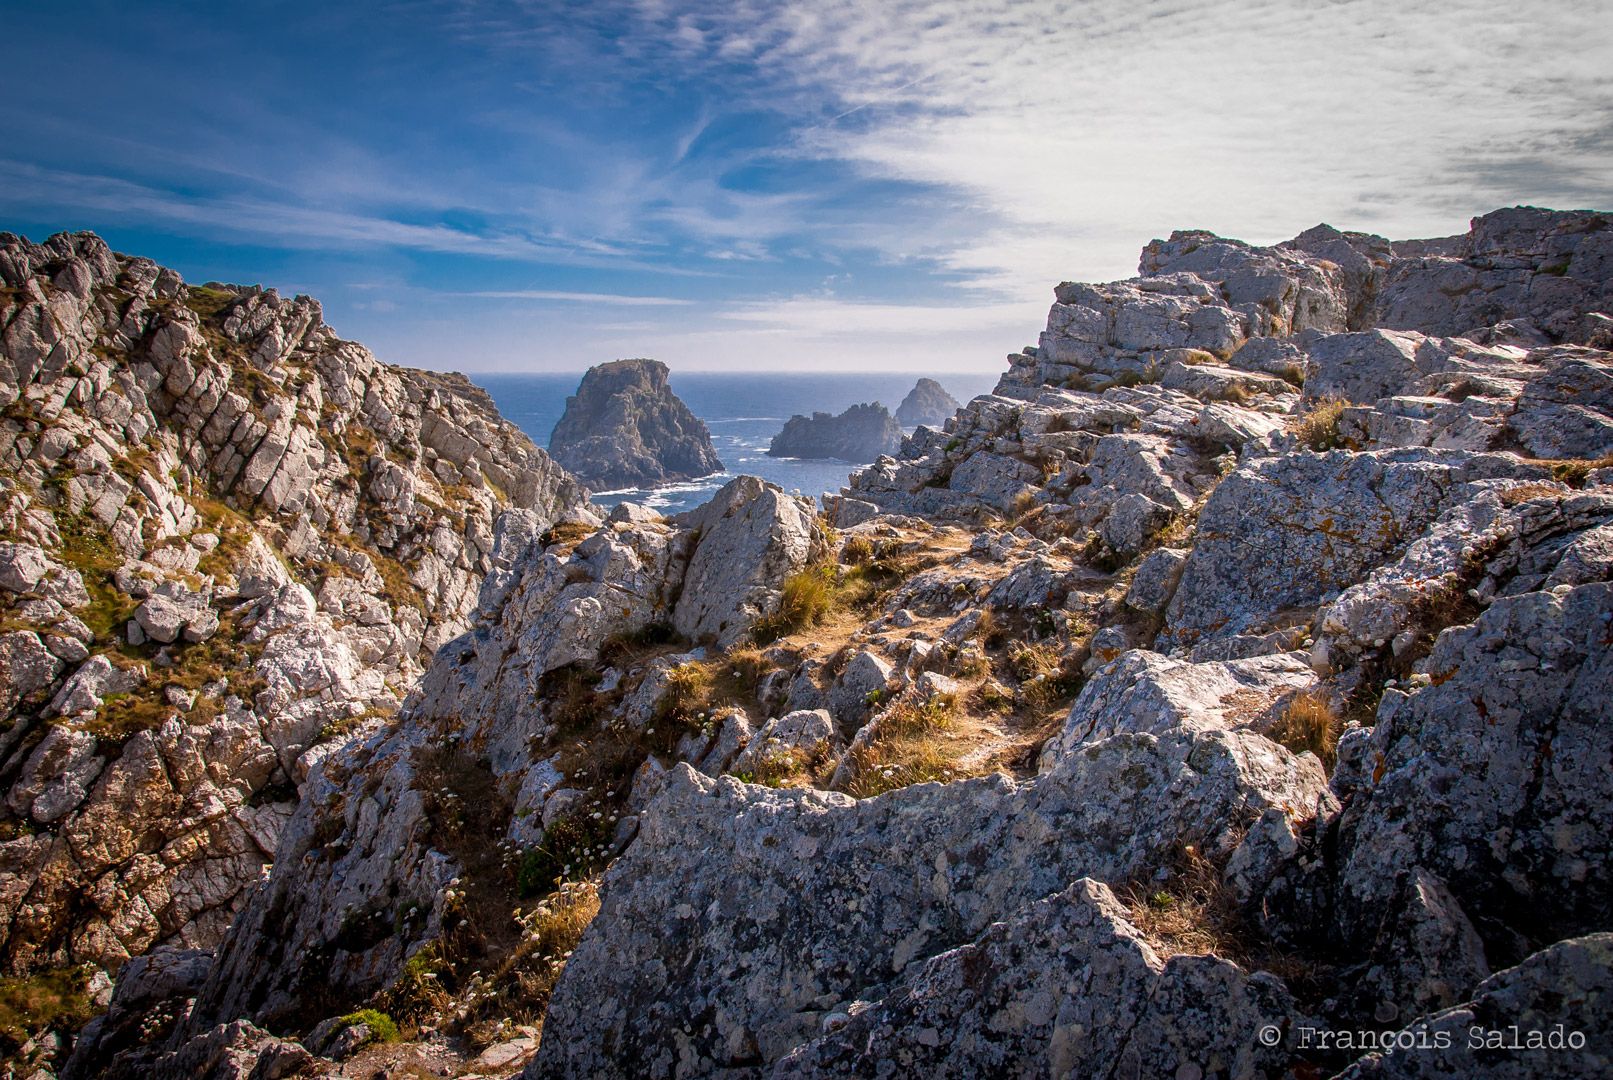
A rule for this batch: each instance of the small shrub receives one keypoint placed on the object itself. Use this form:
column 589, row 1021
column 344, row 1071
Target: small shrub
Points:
column 689, row 691
column 567, row 534
column 208, row 302
column 857, row 551
column 1023, row 503
column 1575, row 471
column 1309, row 722
column 382, row 1027
column 1318, row 428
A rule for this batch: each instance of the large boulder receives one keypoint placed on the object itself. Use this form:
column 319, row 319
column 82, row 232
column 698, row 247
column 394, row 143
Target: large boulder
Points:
column 683, row 974
column 748, row 538
column 1496, row 777
column 1549, row 1016
column 1319, row 522
column 1066, row 987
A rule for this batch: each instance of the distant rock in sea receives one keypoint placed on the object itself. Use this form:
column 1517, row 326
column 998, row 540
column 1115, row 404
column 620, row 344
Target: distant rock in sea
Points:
column 861, row 433
column 927, row 403
column 626, row 428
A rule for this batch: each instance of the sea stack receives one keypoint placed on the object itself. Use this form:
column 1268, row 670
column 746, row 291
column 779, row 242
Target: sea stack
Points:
column 861, row 433
column 626, row 428
column 927, row 403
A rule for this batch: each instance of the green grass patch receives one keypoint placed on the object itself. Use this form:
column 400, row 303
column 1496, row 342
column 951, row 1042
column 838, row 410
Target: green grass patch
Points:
column 31, row 1005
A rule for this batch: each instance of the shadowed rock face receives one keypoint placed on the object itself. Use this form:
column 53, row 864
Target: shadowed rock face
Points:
column 229, row 540
column 626, row 428
column 927, row 403
column 861, row 433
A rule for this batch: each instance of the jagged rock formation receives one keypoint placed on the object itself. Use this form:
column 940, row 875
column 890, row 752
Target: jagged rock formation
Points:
column 1230, row 679
column 227, row 540
column 861, row 433
column 486, row 714
column 927, row 403
column 626, row 428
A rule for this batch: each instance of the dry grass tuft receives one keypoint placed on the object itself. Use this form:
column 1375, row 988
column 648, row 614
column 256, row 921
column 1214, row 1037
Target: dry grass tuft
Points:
column 908, row 747
column 1190, row 912
column 519, row 989
column 1318, row 427
column 1310, row 722
column 857, row 550
column 805, row 599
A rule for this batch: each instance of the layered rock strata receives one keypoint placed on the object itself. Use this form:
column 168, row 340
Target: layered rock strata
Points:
column 229, row 540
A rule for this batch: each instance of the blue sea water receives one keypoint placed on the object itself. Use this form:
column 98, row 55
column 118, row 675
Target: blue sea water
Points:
column 744, row 411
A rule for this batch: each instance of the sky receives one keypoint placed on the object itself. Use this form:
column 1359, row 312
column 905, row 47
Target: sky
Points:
column 516, row 185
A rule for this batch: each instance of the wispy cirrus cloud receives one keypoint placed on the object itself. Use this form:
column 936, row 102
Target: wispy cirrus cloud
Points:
column 552, row 295
column 1100, row 124
column 284, row 224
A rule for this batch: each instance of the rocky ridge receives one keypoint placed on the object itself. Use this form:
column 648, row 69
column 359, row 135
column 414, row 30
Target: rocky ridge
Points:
column 229, row 541
column 928, row 403
column 626, row 428
column 1233, row 676
column 861, row 433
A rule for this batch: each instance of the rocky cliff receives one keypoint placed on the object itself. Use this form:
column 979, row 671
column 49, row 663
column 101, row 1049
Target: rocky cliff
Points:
column 626, row 428
column 1223, row 696
column 927, row 403
column 861, row 433
column 229, row 541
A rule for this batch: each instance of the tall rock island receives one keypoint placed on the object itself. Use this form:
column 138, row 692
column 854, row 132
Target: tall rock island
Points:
column 927, row 403
column 861, row 433
column 625, row 428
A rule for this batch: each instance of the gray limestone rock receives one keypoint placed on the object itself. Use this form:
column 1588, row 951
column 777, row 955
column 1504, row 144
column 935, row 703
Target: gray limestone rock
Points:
column 1067, row 986
column 1319, row 523
column 839, row 894
column 1559, row 992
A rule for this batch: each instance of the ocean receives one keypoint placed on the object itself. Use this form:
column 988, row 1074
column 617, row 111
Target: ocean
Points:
column 744, row 411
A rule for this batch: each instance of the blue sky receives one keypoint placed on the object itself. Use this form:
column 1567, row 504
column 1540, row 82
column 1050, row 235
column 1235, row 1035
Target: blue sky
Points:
column 837, row 184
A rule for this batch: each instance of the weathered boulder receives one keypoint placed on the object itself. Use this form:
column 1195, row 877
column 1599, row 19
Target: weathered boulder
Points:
column 625, row 427
column 1545, row 1017
column 1320, row 522
column 861, row 433
column 1513, row 811
column 1066, row 986
column 839, row 892
column 1143, row 691
column 748, row 538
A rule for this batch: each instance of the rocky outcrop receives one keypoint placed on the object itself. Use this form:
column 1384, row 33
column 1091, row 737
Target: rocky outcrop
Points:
column 489, row 718
column 625, row 428
column 1222, row 689
column 861, row 433
column 229, row 540
column 927, row 403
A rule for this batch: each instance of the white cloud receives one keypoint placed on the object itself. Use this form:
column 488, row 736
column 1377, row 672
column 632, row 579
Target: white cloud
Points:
column 1078, row 131
column 547, row 295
